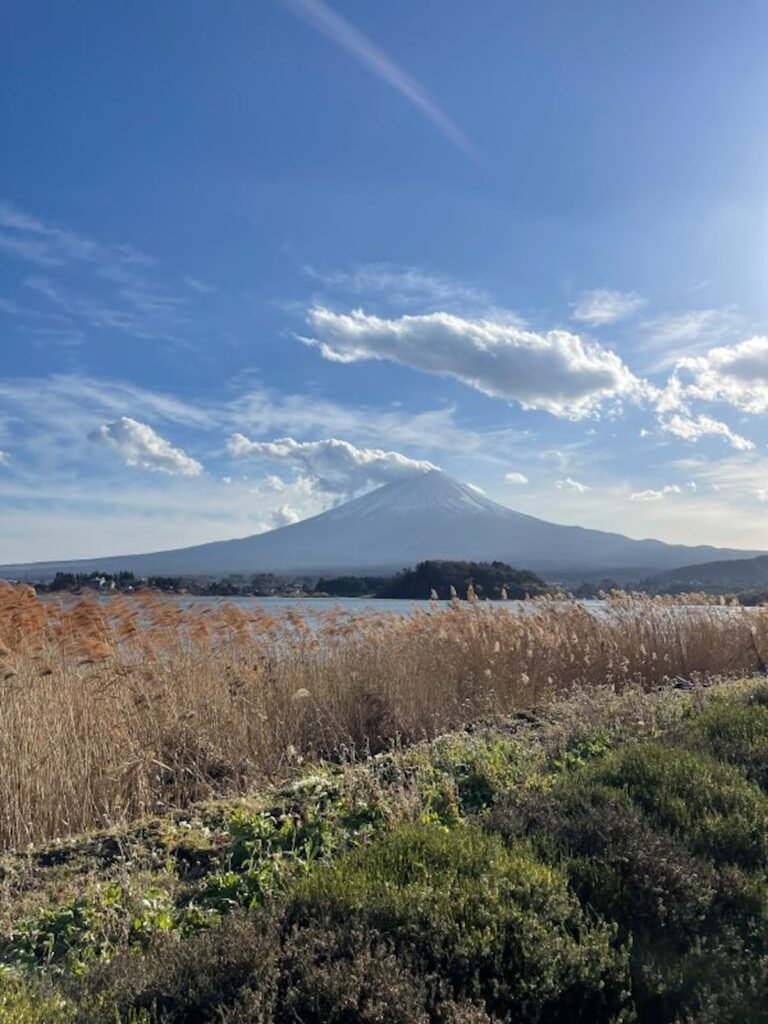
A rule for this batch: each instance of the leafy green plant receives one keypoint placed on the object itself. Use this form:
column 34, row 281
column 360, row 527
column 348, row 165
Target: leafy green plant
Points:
column 478, row 768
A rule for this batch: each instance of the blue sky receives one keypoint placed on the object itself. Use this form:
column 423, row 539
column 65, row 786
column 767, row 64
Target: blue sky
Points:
column 525, row 242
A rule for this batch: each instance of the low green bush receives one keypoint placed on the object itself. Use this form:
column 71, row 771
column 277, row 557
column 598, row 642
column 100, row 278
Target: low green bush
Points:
column 485, row 921
column 718, row 812
column 189, row 982
column 689, row 921
column 619, row 865
column 24, row 1002
column 250, row 970
column 736, row 733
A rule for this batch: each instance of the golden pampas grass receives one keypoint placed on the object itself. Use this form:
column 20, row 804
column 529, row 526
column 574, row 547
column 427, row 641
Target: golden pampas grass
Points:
column 114, row 707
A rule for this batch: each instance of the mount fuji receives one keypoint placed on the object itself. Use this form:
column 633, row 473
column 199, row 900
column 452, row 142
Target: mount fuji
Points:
column 429, row 516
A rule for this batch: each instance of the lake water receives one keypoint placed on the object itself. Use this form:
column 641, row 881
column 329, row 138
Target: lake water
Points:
column 310, row 607
column 317, row 606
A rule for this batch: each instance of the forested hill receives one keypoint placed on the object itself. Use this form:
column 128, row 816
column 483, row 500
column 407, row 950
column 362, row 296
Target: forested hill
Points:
column 488, row 579
column 729, row 574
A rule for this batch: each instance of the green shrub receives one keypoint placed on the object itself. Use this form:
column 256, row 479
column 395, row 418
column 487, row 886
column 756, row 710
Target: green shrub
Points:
column 69, row 936
column 492, row 923
column 736, row 733
column 619, row 865
column 32, row 1003
column 250, row 970
column 186, row 982
column 690, row 923
column 716, row 811
column 335, row 972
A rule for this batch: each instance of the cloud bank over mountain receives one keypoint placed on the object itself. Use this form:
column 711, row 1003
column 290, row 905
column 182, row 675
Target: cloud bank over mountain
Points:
column 334, row 466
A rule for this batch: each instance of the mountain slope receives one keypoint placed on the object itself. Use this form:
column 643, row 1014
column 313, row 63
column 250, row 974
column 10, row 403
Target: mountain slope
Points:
column 430, row 516
column 722, row 575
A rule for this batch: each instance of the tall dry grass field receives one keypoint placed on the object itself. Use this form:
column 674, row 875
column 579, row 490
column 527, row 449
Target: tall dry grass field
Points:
column 110, row 710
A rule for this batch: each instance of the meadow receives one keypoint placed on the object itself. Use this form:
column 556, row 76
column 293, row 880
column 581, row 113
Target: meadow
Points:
column 114, row 709
column 604, row 861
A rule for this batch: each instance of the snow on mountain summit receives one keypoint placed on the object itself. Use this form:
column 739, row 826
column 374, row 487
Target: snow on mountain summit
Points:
column 433, row 491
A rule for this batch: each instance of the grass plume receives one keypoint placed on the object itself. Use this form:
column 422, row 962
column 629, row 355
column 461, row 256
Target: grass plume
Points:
column 114, row 709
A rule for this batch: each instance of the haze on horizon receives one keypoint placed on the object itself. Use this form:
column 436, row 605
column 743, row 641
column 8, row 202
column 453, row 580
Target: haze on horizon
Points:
column 257, row 260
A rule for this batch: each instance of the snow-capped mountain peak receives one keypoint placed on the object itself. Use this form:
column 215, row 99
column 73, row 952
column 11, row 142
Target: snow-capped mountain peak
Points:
column 427, row 516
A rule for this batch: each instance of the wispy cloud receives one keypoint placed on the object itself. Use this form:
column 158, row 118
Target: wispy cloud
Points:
column 325, row 20
column 675, row 335
column 47, row 245
column 136, row 307
column 87, row 283
column 196, row 285
column 401, row 285
column 604, row 306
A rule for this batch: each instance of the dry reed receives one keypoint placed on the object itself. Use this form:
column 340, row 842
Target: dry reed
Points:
column 113, row 709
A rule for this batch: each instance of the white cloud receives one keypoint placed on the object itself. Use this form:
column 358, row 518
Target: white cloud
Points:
column 334, row 466
column 66, row 397
column 140, row 445
column 569, row 484
column 693, row 429
column 603, row 306
column 4, row 458
column 555, row 372
column 476, row 489
column 284, row 515
column 649, row 495
column 654, row 495
column 363, row 49
column 735, row 374
column 516, row 478
column 739, row 475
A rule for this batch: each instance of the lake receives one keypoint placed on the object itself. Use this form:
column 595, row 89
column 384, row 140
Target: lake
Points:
column 317, row 606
